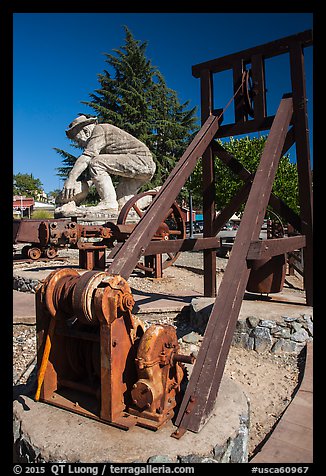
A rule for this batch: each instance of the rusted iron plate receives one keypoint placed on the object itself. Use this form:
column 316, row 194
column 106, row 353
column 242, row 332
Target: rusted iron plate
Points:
column 28, row 231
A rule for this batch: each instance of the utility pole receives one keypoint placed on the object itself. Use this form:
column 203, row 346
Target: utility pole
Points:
column 191, row 221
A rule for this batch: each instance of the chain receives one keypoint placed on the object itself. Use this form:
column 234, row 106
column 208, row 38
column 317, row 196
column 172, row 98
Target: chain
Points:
column 244, row 74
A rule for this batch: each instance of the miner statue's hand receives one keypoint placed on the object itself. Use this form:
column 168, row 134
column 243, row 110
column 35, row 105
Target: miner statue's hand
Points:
column 70, row 189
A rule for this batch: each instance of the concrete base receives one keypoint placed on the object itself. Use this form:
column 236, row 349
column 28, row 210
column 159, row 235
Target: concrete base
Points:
column 44, row 433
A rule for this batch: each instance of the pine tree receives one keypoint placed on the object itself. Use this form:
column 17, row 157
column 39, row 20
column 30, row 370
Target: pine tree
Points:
column 68, row 161
column 125, row 99
column 172, row 131
column 135, row 98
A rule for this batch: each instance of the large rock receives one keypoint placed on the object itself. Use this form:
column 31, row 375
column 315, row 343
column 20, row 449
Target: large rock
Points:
column 262, row 339
column 200, row 310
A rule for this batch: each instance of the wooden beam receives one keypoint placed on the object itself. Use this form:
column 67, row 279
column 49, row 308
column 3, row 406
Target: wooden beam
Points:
column 206, row 376
column 237, row 168
column 208, row 187
column 128, row 255
column 300, row 119
column 246, row 127
column 265, row 249
column 174, row 246
column 258, row 77
column 268, row 50
column 239, row 114
column 188, row 244
column 232, row 207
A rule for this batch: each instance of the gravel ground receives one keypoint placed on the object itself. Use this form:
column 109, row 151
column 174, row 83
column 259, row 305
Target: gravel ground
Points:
column 268, row 380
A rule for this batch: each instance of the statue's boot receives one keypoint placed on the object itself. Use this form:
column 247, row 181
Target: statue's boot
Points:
column 105, row 205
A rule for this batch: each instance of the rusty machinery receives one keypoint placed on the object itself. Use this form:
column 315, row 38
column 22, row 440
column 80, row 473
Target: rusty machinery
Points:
column 46, row 237
column 68, row 313
column 95, row 358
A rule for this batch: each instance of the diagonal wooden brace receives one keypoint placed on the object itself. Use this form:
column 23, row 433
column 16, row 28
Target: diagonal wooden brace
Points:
column 277, row 204
column 128, row 255
column 208, row 370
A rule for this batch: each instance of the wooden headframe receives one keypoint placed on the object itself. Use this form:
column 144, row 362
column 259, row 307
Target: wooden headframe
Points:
column 288, row 126
column 293, row 46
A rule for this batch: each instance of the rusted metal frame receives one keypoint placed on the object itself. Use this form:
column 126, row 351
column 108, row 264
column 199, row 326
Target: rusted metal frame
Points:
column 17, row 259
column 265, row 249
column 113, row 357
column 92, row 257
column 208, row 370
column 128, row 255
column 28, row 231
column 268, row 50
column 115, row 367
column 106, row 409
column 276, row 203
column 300, row 120
column 86, row 259
column 208, row 184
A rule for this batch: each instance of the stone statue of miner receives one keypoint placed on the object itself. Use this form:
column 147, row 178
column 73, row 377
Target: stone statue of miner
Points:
column 108, row 151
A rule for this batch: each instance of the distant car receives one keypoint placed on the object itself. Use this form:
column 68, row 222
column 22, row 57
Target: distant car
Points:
column 198, row 226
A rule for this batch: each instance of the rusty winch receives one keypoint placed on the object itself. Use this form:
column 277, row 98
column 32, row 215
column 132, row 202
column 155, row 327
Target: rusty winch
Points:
column 96, row 358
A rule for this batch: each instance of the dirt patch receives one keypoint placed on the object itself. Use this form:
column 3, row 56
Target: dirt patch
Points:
column 269, row 382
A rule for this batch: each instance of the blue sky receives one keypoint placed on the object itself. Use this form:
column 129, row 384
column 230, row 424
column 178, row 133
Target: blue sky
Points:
column 57, row 57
